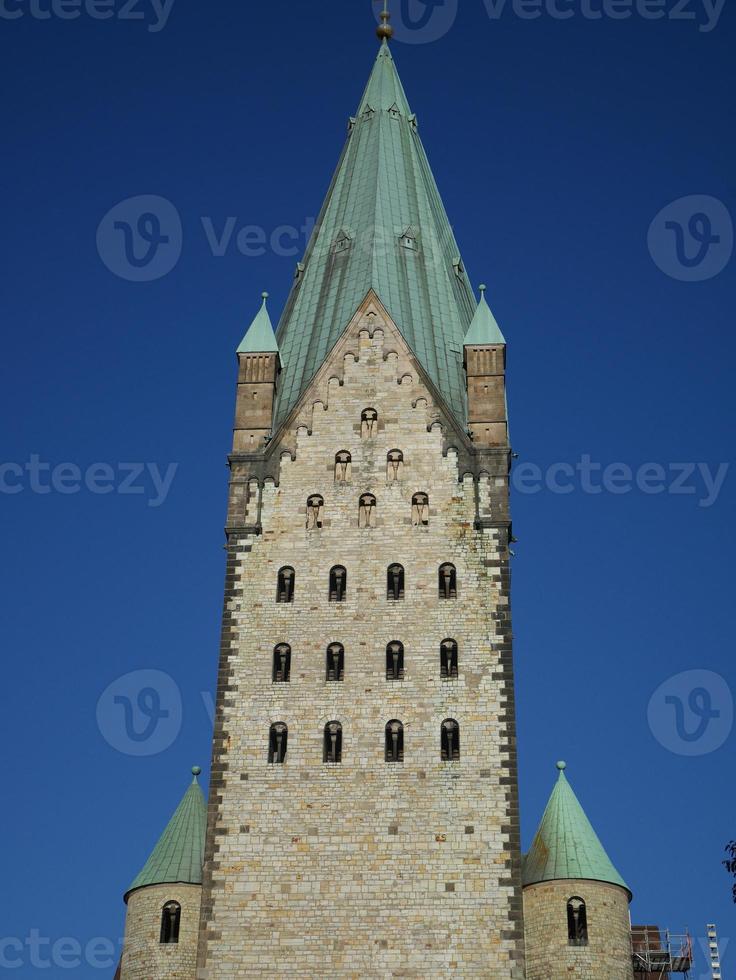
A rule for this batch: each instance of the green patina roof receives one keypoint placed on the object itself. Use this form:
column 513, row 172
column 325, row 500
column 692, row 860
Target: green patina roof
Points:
column 179, row 854
column 566, row 846
column 382, row 226
column 260, row 338
column 484, row 329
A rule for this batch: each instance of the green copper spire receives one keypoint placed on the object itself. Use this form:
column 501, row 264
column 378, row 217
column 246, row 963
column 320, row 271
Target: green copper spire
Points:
column 484, row 329
column 383, row 227
column 566, row 846
column 179, row 854
column 260, row 338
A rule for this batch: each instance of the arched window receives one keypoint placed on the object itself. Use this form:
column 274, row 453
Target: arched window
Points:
column 394, row 742
column 315, row 511
column 332, row 751
column 170, row 923
column 343, row 467
column 367, row 511
column 285, row 587
column 394, row 466
column 395, row 582
column 277, row 739
column 420, row 510
column 450, row 736
column 448, row 582
column 338, row 583
column 368, row 423
column 335, row 662
column 395, row 661
column 448, row 659
column 282, row 663
column 577, row 922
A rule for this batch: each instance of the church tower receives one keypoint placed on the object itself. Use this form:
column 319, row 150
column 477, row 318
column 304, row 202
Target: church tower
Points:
column 363, row 811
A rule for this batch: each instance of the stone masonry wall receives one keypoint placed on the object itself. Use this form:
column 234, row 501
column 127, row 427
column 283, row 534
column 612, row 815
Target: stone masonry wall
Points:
column 608, row 953
column 364, row 869
column 144, row 957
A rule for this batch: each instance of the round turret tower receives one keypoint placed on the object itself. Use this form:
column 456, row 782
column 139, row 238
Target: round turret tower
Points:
column 576, row 905
column 162, row 923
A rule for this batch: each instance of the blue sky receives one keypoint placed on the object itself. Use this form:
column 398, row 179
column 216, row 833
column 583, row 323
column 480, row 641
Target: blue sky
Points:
column 556, row 143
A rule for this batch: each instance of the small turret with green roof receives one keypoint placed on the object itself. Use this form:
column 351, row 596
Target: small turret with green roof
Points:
column 260, row 338
column 164, row 901
column 576, row 904
column 179, row 853
column 483, row 329
column 565, row 845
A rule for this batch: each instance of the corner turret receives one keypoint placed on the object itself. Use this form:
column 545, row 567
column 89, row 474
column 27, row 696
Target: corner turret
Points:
column 484, row 351
column 576, row 904
column 259, row 365
column 162, row 925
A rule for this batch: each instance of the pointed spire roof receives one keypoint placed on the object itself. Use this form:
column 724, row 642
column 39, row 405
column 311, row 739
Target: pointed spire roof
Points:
column 566, row 846
column 383, row 186
column 484, row 329
column 179, row 854
column 260, row 338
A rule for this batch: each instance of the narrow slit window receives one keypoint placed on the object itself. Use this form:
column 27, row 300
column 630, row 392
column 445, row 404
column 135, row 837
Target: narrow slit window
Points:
column 343, row 467
column 315, row 512
column 332, row 751
column 368, row 423
column 170, row 923
column 450, row 736
column 338, row 583
column 394, row 742
column 420, row 510
column 277, row 743
column 395, row 661
column 335, row 670
column 448, row 582
column 367, row 511
column 448, row 659
column 282, row 664
column 394, row 466
column 395, row 583
column 577, row 922
column 285, row 587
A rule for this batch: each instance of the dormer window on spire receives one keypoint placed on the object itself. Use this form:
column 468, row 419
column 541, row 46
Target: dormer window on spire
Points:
column 394, row 112
column 409, row 240
column 342, row 243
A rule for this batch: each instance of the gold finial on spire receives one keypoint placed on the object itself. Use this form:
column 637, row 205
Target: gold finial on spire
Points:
column 385, row 31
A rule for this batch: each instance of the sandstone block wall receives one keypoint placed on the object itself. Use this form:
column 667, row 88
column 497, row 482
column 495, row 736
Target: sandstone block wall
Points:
column 144, row 957
column 548, row 955
column 366, row 868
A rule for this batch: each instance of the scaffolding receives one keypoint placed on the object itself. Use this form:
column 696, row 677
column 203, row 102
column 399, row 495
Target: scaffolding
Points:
column 658, row 954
